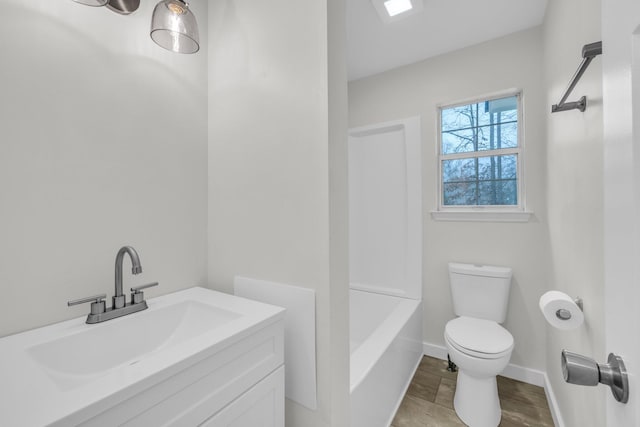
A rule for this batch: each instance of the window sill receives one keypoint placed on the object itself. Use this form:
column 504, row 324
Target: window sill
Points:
column 482, row 216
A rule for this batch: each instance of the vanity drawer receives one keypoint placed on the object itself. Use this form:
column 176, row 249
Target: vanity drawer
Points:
column 262, row 405
column 194, row 394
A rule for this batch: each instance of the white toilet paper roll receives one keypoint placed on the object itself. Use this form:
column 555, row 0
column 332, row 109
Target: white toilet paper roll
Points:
column 560, row 310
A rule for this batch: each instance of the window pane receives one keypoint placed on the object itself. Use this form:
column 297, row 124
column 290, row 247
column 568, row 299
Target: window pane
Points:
column 508, row 105
column 510, row 192
column 498, row 192
column 459, row 141
column 460, row 117
column 491, row 180
column 459, row 193
column 487, row 125
column 497, row 167
column 507, row 166
column 507, row 135
column 459, row 170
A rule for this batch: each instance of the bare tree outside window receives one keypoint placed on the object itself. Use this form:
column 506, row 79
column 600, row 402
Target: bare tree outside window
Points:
column 479, row 153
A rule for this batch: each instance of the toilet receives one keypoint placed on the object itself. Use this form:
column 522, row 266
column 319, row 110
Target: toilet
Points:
column 477, row 343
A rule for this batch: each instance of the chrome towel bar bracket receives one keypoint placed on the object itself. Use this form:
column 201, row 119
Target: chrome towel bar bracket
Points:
column 589, row 51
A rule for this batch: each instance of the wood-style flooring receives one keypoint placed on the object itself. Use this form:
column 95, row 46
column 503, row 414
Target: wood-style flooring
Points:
column 429, row 400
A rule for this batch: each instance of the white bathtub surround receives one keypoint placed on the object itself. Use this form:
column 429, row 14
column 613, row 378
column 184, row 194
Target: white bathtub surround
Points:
column 182, row 360
column 385, row 339
column 385, row 208
column 299, row 332
column 385, row 260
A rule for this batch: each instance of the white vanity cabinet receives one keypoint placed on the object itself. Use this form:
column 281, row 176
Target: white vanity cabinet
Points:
column 230, row 387
column 194, row 358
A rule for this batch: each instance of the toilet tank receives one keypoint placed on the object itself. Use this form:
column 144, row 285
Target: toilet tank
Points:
column 480, row 291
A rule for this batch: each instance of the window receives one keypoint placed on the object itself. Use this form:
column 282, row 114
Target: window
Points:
column 480, row 155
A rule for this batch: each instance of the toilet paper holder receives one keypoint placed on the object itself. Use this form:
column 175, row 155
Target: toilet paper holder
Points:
column 582, row 370
column 563, row 314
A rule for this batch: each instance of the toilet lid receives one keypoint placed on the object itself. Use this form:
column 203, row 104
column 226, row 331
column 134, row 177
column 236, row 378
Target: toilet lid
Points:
column 478, row 336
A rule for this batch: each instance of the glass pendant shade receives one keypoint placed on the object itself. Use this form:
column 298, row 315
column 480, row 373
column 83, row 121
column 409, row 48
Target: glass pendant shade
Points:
column 174, row 27
column 92, row 2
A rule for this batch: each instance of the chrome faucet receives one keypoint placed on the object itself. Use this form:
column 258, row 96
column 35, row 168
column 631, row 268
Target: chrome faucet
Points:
column 99, row 313
column 119, row 300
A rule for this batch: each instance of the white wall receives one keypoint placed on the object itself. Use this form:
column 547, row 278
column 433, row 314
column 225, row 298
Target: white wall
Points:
column 509, row 62
column 274, row 78
column 575, row 199
column 103, row 143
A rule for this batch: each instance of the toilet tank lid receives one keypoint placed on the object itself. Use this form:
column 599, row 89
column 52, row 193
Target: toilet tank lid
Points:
column 480, row 270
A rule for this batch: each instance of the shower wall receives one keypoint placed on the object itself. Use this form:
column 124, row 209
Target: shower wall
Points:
column 385, row 208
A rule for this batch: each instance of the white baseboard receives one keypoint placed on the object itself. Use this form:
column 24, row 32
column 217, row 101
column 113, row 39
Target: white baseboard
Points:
column 553, row 403
column 433, row 350
column 516, row 372
column 526, row 375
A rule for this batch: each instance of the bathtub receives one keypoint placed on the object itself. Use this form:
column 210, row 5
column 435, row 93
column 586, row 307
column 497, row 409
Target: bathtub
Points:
column 386, row 348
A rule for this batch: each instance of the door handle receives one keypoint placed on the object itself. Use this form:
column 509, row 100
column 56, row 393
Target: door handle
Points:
column 581, row 370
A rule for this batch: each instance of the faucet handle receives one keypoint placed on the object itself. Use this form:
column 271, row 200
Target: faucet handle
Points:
column 97, row 303
column 137, row 296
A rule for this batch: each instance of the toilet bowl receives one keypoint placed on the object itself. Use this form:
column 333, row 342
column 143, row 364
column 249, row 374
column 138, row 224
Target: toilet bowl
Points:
column 477, row 343
column 481, row 349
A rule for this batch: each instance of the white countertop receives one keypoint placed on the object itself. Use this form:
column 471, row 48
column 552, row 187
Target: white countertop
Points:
column 30, row 394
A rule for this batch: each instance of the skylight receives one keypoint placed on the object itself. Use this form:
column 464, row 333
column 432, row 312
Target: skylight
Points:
column 396, row 7
column 395, row 10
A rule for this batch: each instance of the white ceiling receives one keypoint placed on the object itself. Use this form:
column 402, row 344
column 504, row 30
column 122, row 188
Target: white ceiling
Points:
column 443, row 26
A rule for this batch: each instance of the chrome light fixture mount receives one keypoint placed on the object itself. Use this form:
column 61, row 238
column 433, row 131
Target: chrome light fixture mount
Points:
column 173, row 25
column 94, row 3
column 123, row 7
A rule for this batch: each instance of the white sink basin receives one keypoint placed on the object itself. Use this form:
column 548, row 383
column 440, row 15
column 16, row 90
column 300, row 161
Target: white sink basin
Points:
column 52, row 373
column 75, row 359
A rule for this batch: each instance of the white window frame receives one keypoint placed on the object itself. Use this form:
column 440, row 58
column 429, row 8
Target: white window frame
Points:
column 491, row 213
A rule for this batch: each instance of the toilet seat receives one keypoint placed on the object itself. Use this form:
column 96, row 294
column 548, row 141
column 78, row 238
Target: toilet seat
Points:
column 480, row 338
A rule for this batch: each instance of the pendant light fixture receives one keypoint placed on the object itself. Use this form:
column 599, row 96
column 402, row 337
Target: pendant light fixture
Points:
column 173, row 25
